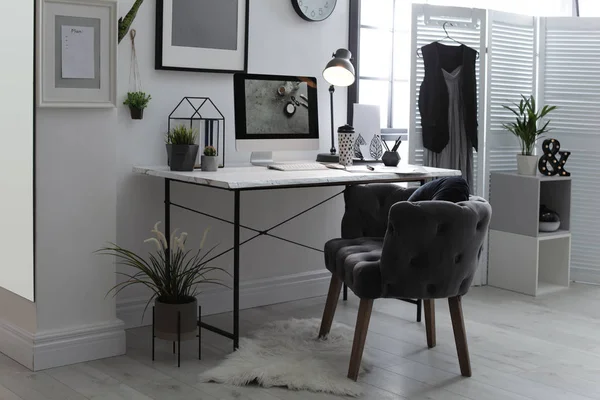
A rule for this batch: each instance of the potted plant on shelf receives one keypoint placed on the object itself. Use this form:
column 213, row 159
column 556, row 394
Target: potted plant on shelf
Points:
column 209, row 160
column 527, row 129
column 182, row 149
column 137, row 101
column 173, row 274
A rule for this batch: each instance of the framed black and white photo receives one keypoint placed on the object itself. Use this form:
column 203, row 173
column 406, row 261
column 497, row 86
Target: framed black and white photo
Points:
column 77, row 53
column 202, row 35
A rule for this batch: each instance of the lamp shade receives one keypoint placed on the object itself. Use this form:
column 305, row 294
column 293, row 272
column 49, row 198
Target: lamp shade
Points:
column 340, row 71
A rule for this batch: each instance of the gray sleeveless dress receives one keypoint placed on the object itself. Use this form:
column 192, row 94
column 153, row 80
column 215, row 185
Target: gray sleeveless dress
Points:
column 458, row 153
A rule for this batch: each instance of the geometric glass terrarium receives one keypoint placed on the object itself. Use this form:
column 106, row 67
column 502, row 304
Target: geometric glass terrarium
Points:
column 201, row 114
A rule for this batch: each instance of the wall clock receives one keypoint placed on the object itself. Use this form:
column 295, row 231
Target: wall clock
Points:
column 314, row 10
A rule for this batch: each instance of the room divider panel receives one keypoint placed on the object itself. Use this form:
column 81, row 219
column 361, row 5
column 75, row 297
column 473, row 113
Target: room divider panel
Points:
column 555, row 58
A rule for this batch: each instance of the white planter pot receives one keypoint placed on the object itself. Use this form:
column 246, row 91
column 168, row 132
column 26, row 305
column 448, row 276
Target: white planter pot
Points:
column 527, row 165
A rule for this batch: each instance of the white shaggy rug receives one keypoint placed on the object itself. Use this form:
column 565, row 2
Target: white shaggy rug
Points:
column 288, row 354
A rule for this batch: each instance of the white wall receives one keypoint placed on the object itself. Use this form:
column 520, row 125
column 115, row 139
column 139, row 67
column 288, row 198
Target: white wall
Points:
column 280, row 43
column 16, row 136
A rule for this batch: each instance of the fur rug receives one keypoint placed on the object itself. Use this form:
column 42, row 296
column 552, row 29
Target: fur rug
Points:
column 288, row 354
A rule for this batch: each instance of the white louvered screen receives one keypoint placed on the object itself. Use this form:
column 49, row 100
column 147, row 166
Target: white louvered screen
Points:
column 510, row 73
column 570, row 79
column 469, row 27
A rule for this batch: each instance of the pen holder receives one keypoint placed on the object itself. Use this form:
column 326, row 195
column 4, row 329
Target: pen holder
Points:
column 346, row 144
column 391, row 159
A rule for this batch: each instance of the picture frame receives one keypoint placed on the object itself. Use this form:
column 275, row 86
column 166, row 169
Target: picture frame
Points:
column 77, row 53
column 183, row 45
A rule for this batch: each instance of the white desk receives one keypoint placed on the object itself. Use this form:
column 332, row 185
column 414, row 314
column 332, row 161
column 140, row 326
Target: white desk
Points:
column 242, row 179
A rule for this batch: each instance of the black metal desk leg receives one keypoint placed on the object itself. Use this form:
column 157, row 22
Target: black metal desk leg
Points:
column 167, row 209
column 236, row 270
column 345, row 292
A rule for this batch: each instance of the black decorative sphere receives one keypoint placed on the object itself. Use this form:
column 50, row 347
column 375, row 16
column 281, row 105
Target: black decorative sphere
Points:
column 549, row 220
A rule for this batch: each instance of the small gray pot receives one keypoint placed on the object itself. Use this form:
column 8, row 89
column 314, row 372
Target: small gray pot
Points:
column 182, row 156
column 209, row 163
column 166, row 315
column 391, row 159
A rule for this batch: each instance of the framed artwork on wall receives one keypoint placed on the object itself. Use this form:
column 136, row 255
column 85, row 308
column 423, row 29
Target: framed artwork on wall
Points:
column 77, row 53
column 202, row 35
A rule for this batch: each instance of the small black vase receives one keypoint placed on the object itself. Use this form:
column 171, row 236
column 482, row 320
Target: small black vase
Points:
column 136, row 113
column 549, row 220
column 391, row 159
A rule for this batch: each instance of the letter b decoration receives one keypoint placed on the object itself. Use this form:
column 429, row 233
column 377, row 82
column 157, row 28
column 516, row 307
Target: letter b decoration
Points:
column 549, row 163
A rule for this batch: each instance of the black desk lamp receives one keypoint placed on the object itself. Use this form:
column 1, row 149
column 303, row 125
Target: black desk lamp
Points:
column 338, row 72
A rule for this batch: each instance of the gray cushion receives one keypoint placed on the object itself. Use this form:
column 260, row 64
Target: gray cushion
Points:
column 356, row 263
column 454, row 189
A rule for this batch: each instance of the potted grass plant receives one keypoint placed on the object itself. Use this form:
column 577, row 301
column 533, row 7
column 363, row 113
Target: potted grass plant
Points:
column 182, row 150
column 173, row 274
column 528, row 129
column 209, row 160
column 137, row 102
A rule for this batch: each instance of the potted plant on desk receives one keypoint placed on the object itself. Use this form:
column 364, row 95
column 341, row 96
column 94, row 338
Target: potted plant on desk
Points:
column 526, row 128
column 137, row 101
column 182, row 149
column 173, row 274
column 209, row 160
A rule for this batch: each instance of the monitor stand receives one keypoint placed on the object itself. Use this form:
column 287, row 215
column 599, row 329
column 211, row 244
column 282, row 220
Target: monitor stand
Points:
column 261, row 158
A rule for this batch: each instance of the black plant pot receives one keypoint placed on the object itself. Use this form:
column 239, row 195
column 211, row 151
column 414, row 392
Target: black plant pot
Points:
column 136, row 113
column 183, row 157
column 391, row 159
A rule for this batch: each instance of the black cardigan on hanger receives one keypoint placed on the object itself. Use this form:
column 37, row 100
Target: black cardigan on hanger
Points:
column 433, row 94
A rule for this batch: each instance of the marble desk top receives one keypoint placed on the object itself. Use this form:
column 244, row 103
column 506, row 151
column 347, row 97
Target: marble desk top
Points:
column 254, row 178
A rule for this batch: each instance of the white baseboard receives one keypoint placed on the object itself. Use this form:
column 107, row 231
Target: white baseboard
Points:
column 252, row 294
column 16, row 343
column 585, row 275
column 62, row 347
column 80, row 344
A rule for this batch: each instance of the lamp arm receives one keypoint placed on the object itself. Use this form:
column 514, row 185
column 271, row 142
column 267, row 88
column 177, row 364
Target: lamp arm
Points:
column 333, row 151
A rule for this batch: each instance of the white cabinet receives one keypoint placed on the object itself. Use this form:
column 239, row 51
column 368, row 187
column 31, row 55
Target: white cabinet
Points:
column 521, row 258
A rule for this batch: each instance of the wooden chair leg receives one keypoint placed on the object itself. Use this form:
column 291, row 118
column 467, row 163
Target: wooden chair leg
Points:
column 460, row 335
column 360, row 336
column 335, row 286
column 430, row 322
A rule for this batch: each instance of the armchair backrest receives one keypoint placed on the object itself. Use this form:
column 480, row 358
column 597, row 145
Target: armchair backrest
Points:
column 432, row 248
column 367, row 209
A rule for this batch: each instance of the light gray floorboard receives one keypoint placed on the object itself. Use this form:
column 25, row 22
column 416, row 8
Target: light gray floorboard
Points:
column 522, row 348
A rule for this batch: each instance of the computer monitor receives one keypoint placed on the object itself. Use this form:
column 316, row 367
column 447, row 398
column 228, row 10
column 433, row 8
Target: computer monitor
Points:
column 275, row 113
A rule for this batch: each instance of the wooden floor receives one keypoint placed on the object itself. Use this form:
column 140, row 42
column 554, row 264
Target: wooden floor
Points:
column 521, row 348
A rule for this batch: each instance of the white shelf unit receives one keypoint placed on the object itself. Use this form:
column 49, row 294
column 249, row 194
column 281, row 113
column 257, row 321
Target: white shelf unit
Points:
column 521, row 258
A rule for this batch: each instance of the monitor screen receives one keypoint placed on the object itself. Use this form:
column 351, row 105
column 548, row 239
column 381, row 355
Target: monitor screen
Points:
column 275, row 107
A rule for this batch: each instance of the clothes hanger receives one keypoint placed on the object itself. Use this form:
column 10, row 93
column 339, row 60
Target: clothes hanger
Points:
column 419, row 55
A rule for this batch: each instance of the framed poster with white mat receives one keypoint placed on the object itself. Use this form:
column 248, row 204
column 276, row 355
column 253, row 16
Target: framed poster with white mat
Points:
column 202, row 35
column 77, row 53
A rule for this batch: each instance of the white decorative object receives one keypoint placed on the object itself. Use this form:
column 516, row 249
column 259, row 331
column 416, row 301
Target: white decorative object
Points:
column 367, row 123
column 527, row 165
column 288, row 354
column 346, row 137
column 77, row 53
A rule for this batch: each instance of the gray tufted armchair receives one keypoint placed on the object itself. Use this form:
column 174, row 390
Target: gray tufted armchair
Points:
column 407, row 250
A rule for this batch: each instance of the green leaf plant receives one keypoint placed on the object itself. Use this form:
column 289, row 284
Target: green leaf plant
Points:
column 172, row 273
column 527, row 125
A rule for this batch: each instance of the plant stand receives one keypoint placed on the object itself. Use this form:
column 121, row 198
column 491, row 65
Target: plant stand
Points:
column 178, row 342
